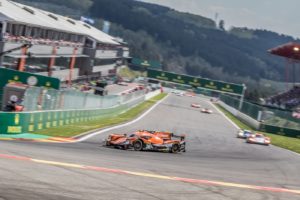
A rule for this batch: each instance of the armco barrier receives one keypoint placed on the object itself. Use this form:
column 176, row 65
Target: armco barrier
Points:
column 260, row 126
column 241, row 116
column 67, row 99
column 24, row 122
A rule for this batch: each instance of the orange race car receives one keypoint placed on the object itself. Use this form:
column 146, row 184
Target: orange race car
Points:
column 148, row 140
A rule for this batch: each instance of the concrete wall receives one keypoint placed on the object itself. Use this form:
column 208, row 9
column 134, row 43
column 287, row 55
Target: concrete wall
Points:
column 241, row 116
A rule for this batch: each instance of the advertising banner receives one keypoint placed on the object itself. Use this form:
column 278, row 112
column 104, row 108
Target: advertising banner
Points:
column 196, row 82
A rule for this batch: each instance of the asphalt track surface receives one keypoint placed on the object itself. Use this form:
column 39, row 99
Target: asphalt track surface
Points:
column 213, row 154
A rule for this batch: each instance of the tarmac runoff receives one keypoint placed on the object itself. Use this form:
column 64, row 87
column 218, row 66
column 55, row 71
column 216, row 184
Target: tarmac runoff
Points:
column 150, row 175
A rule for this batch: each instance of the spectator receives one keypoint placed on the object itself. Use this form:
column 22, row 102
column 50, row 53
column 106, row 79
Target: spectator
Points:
column 289, row 99
column 10, row 107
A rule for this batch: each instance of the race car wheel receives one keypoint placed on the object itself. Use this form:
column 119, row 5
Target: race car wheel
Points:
column 138, row 145
column 175, row 148
column 107, row 143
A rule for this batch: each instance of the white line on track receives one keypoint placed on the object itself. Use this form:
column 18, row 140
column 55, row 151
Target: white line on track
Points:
column 122, row 125
column 234, row 124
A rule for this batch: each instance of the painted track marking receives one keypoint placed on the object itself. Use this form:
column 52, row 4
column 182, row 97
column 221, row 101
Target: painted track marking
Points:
column 150, row 175
column 229, row 120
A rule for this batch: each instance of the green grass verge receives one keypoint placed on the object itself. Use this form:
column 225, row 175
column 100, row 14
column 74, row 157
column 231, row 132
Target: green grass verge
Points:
column 82, row 127
column 128, row 73
column 292, row 144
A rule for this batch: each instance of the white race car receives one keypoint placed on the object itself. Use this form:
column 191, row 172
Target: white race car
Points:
column 195, row 105
column 206, row 110
column 244, row 134
column 180, row 94
column 258, row 138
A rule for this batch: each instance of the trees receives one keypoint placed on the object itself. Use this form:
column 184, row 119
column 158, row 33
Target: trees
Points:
column 182, row 35
column 188, row 43
column 222, row 25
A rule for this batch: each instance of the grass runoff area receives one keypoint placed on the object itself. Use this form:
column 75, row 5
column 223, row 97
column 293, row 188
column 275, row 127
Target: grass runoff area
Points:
column 82, row 127
column 289, row 143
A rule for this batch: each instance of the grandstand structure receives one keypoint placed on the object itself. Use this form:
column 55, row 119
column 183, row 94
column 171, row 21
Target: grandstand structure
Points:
column 59, row 46
column 287, row 100
column 291, row 52
column 291, row 98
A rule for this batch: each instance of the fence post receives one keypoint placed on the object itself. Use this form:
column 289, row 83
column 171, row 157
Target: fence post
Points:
column 242, row 97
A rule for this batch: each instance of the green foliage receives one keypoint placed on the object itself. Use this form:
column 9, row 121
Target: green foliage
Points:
column 187, row 43
column 74, row 4
column 72, row 8
column 214, row 53
column 192, row 19
column 242, row 32
column 222, row 25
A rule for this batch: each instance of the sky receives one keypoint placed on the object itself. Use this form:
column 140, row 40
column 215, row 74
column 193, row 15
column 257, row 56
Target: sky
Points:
column 281, row 16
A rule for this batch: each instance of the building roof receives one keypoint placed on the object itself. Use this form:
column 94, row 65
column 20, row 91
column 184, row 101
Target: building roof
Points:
column 15, row 12
column 290, row 50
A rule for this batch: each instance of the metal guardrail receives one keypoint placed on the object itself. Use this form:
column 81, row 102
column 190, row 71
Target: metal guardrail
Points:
column 270, row 120
column 24, row 122
column 36, row 99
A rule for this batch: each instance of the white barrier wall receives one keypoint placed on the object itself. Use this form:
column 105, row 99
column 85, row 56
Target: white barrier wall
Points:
column 241, row 116
column 229, row 109
column 152, row 94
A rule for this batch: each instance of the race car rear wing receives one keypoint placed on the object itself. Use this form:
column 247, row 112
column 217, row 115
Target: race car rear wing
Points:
column 182, row 137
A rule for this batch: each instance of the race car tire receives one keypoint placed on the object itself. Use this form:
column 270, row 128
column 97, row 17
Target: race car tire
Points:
column 175, row 148
column 138, row 145
column 183, row 150
column 107, row 143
